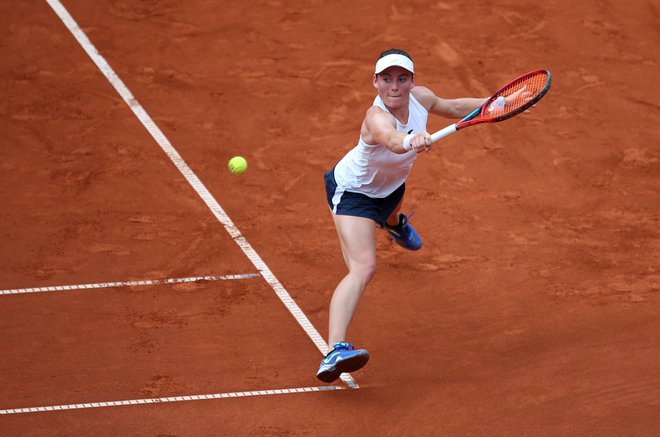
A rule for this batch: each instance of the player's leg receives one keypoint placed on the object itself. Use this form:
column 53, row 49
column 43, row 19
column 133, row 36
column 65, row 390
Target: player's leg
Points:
column 357, row 237
column 393, row 219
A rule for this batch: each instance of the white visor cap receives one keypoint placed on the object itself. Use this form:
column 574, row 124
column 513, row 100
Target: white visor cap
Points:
column 394, row 60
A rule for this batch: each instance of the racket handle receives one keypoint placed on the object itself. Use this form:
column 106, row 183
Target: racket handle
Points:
column 443, row 133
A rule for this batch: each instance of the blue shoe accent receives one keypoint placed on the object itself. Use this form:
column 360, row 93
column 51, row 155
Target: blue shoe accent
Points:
column 343, row 358
column 404, row 234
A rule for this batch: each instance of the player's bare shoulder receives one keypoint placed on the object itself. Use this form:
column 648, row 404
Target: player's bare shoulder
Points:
column 376, row 119
column 377, row 116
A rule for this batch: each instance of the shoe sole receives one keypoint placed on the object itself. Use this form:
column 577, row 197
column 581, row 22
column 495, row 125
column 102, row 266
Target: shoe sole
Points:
column 348, row 365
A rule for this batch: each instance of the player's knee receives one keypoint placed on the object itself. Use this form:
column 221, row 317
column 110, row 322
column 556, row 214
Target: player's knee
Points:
column 366, row 271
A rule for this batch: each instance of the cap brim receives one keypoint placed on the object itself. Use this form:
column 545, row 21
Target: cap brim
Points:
column 394, row 60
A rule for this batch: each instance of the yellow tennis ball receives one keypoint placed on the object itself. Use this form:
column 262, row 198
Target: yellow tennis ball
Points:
column 237, row 165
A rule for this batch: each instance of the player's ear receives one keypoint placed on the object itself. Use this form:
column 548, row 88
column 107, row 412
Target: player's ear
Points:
column 375, row 81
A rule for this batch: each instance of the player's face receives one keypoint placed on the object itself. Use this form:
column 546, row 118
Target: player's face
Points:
column 394, row 85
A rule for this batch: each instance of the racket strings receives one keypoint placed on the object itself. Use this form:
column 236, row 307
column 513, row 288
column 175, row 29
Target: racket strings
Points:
column 518, row 94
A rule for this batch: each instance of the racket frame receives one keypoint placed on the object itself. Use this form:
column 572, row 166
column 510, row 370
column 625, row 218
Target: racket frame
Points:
column 471, row 119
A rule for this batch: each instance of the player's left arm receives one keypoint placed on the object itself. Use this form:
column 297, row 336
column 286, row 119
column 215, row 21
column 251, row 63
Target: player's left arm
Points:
column 447, row 108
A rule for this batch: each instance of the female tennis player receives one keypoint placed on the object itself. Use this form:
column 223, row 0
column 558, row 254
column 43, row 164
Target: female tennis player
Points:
column 365, row 190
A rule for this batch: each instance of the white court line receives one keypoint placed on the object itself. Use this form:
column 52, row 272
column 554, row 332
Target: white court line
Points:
column 127, row 283
column 170, row 399
column 193, row 180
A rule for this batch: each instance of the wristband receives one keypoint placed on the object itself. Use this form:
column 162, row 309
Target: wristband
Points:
column 406, row 141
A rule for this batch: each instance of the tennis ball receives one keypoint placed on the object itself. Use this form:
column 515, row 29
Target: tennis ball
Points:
column 237, row 165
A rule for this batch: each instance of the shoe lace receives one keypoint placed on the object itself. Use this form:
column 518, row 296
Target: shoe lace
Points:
column 408, row 217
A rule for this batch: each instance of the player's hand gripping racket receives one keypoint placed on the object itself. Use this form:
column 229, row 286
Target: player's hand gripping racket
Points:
column 512, row 99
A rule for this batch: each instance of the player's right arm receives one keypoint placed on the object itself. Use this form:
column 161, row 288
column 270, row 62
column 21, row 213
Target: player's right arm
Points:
column 379, row 127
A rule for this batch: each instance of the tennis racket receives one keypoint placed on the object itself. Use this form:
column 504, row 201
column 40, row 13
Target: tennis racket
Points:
column 512, row 99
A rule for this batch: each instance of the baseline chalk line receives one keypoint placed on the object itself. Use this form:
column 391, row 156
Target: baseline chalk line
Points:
column 128, row 283
column 193, row 180
column 170, row 399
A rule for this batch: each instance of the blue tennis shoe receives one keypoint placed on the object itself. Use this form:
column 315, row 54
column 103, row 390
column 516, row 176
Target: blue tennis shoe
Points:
column 404, row 234
column 342, row 358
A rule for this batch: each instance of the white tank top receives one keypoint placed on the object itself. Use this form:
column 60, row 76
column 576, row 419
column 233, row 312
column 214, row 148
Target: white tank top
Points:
column 374, row 170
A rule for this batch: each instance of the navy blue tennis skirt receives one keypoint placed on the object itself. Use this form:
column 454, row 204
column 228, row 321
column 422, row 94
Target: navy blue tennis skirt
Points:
column 360, row 205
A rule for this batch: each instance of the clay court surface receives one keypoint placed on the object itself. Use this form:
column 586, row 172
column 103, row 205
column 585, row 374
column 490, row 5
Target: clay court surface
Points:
column 532, row 309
